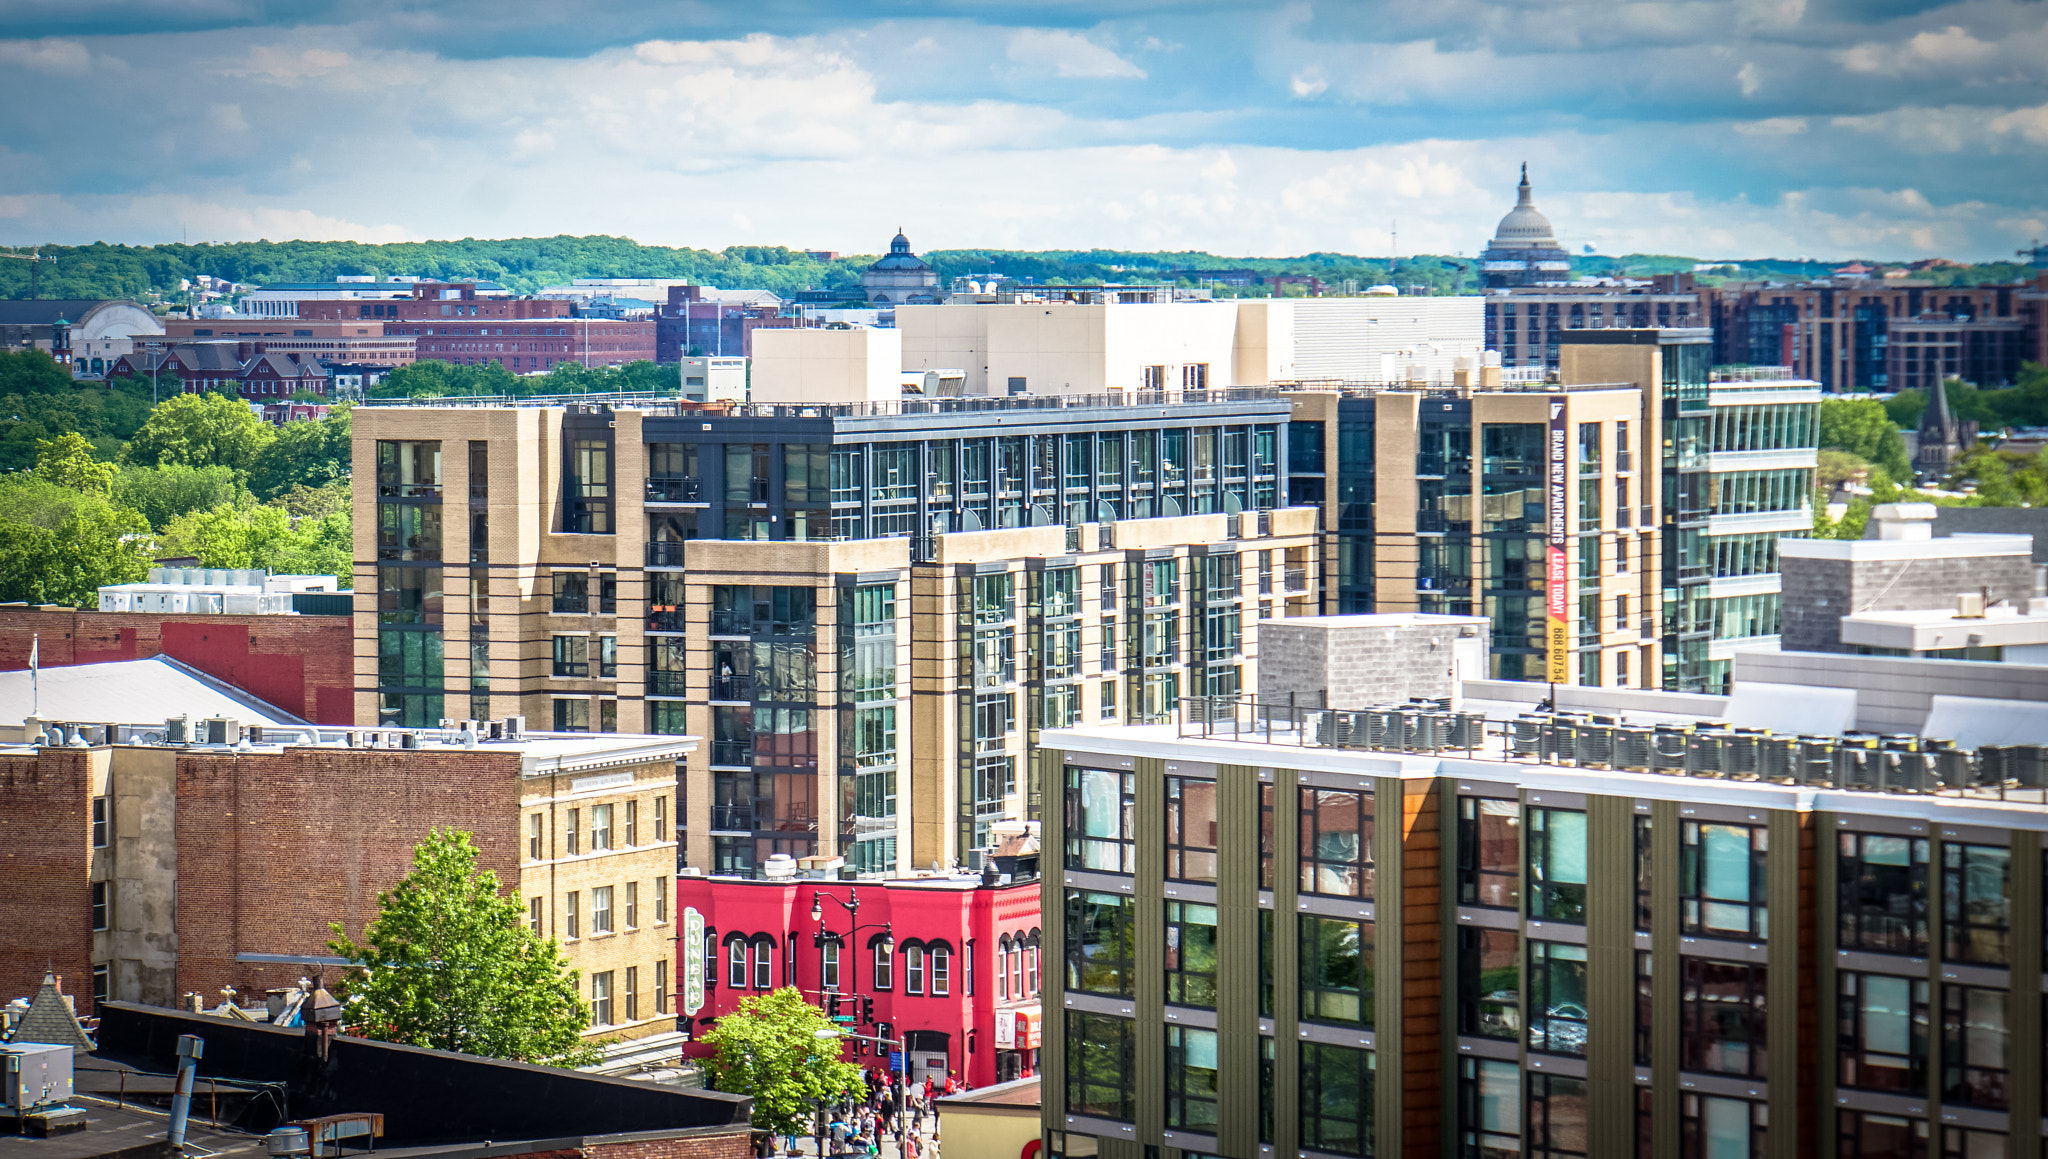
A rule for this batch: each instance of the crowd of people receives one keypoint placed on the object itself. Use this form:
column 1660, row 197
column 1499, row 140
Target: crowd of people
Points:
column 891, row 1110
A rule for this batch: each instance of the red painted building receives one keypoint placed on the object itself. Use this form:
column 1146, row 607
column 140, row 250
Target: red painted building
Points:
column 951, row 964
column 523, row 345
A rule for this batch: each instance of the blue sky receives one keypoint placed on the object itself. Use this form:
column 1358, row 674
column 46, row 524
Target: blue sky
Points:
column 1892, row 129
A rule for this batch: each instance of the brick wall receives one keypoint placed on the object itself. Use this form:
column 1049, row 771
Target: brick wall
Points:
column 1819, row 592
column 302, row 664
column 274, row 846
column 45, row 860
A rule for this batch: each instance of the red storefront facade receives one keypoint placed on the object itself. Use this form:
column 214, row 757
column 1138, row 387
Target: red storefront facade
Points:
column 962, row 976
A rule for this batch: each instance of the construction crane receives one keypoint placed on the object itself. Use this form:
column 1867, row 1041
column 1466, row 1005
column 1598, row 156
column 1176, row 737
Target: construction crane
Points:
column 2037, row 257
column 35, row 269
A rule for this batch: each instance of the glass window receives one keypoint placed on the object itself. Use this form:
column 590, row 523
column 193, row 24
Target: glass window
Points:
column 1190, row 829
column 1489, row 982
column 1336, row 1099
column 913, row 969
column 942, row 971
column 1973, row 1045
column 1100, row 1066
column 764, row 963
column 600, row 828
column 1336, row 970
column 1882, row 895
column 1557, row 1116
column 1964, row 1143
column 1976, row 902
column 883, row 976
column 1862, row 1135
column 1721, row 880
column 1099, row 943
column 1490, row 852
column 1557, row 997
column 1710, row 1127
column 601, row 909
column 601, row 998
column 1190, row 954
column 1336, row 842
column 1882, row 1036
column 1644, row 865
column 1721, row 1017
column 1101, row 822
column 1557, row 865
column 1489, row 1108
column 1190, row 1079
column 736, row 962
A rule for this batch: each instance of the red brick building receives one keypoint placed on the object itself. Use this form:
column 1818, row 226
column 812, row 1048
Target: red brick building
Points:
column 254, row 372
column 526, row 345
column 302, row 664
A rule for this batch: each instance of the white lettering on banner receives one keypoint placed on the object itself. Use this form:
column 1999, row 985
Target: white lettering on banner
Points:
column 602, row 781
column 693, row 961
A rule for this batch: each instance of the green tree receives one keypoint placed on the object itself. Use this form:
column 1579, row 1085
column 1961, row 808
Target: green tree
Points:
column 1904, row 408
column 161, row 494
column 303, row 502
column 68, row 461
column 448, row 963
column 1862, row 428
column 265, row 536
column 60, row 546
column 304, row 453
column 768, row 1049
column 1836, row 468
column 201, row 430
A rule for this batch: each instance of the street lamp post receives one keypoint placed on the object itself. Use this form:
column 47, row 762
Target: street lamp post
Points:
column 901, row 1053
column 852, row 908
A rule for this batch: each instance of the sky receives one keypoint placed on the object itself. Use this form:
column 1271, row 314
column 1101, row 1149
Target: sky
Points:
column 1831, row 129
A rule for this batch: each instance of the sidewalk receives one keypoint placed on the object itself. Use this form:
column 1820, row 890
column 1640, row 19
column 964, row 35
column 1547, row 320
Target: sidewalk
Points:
column 806, row 1146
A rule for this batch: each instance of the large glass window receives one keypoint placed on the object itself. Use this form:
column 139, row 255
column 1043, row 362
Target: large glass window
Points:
column 1882, row 895
column 1557, row 865
column 1336, row 842
column 1100, row 1066
column 1721, row 880
column 1976, row 902
column 1190, row 954
column 1190, row 829
column 1974, row 1033
column 1557, row 997
column 1489, row 982
column 1490, row 852
column 1336, row 970
column 1721, row 1017
column 1101, row 820
column 1190, row 1079
column 1489, row 1108
column 1336, row 1099
column 1557, row 1116
column 1882, row 1035
column 1863, row 1135
column 1100, row 957
column 1711, row 1127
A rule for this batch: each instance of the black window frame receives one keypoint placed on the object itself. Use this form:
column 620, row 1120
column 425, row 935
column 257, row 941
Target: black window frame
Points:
column 1966, row 934
column 1964, row 1083
column 1556, row 901
column 1323, row 1071
column 1317, row 870
column 1085, row 851
column 1186, row 986
column 1549, row 1031
column 1722, row 1002
column 1852, row 1011
column 1118, row 971
column 1475, row 1001
column 1695, row 906
column 1322, row 973
column 1867, row 917
column 1101, row 1059
column 1478, row 878
column 1191, row 1102
column 1187, row 860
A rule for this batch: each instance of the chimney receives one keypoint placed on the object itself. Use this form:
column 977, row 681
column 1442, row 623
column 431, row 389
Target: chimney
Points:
column 1902, row 521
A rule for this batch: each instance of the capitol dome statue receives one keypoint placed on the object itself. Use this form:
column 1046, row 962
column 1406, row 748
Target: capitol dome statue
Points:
column 900, row 277
column 1524, row 250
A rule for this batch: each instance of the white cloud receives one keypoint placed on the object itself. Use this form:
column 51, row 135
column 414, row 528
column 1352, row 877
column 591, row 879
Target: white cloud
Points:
column 1954, row 129
column 1308, row 82
column 227, row 118
column 166, row 217
column 1772, row 127
column 1068, row 54
column 52, row 56
column 1749, row 79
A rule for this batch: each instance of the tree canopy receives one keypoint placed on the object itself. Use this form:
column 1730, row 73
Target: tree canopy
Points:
column 201, row 430
column 1862, row 428
column 768, row 1049
column 448, row 963
column 60, row 546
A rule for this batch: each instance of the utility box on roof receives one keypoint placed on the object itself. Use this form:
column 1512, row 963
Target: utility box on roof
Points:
column 33, row 1074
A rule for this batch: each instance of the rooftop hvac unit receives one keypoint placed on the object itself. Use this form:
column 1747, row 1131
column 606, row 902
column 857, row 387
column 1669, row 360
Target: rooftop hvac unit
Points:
column 515, row 728
column 220, row 730
column 33, row 1074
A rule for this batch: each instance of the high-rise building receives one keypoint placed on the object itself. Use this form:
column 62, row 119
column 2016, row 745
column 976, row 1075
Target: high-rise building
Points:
column 1618, row 527
column 867, row 608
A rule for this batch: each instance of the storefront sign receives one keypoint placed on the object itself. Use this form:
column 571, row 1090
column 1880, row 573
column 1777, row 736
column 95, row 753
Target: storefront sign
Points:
column 1557, row 521
column 693, row 961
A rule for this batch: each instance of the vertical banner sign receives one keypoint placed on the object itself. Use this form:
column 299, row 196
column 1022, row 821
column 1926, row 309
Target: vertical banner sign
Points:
column 1557, row 510
column 693, row 961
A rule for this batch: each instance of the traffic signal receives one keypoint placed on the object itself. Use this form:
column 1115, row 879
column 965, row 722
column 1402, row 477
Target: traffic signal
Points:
column 831, row 1005
column 867, row 1010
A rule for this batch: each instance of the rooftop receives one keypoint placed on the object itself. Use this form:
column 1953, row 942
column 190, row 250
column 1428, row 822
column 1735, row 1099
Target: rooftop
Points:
column 132, row 692
column 662, row 404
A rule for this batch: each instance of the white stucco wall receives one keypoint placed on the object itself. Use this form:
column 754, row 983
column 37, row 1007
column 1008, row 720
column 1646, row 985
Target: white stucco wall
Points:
column 859, row 364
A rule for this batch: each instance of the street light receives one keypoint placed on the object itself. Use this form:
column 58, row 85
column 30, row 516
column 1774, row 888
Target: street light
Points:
column 852, row 907
column 901, row 1053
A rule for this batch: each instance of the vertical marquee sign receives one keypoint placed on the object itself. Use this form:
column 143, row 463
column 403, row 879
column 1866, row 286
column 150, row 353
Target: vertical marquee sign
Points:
column 693, row 961
column 1557, row 512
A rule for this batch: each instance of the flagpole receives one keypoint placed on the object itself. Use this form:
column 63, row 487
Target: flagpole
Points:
column 35, row 648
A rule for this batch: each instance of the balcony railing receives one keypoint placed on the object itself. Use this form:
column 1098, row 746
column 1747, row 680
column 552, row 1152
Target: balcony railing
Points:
column 665, row 553
column 732, row 752
column 1295, row 581
column 735, row 687
column 661, row 683
column 666, row 620
column 673, row 489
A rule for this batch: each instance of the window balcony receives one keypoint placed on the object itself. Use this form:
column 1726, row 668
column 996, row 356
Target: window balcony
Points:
column 674, row 489
column 665, row 553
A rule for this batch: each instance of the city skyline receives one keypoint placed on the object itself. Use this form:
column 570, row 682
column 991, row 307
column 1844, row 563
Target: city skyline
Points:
column 1756, row 128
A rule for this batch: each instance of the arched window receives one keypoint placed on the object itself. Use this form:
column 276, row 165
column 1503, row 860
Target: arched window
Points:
column 1003, row 969
column 941, row 966
column 711, row 959
column 764, row 963
column 883, row 976
column 913, row 968
column 1031, row 963
column 1017, row 969
column 736, row 961
column 828, row 965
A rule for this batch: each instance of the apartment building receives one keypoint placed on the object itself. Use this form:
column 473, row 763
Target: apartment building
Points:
column 1528, row 326
column 1864, row 336
column 1290, row 932
column 1619, row 527
column 869, row 608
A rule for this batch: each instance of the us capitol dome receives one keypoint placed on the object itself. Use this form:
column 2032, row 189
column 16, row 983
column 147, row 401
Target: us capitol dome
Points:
column 1524, row 249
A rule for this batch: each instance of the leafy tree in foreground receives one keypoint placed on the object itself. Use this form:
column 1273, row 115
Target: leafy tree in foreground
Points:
column 769, row 1049
column 201, row 430
column 59, row 546
column 309, row 454
column 449, row 964
column 248, row 535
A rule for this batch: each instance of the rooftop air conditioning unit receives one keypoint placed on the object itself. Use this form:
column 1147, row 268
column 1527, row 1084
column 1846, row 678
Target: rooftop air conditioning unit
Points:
column 33, row 1074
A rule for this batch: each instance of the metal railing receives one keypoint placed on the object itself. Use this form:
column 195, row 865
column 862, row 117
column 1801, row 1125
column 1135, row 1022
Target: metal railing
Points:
column 665, row 553
column 1858, row 763
column 1294, row 581
column 669, row 405
column 673, row 489
column 1751, row 374
column 661, row 683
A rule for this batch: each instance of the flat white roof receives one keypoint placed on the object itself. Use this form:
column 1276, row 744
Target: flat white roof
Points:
column 1875, row 550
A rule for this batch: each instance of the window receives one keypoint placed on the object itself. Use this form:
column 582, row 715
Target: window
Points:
column 736, row 963
column 601, row 909
column 1100, row 956
column 661, row 833
column 967, row 966
column 1100, row 1066
column 661, row 986
column 99, row 822
column 1557, row 1116
column 1976, row 902
column 571, row 593
column 1557, row 997
column 570, row 917
column 99, row 905
column 828, row 965
column 1101, row 822
column 1031, row 965
column 883, row 976
column 601, row 998
column 1883, row 1033
column 1003, row 967
column 913, row 969
column 600, row 828
column 1973, row 1046
column 1336, row 842
column 660, row 901
column 1882, row 895
column 607, row 658
column 632, row 905
column 942, row 971
column 632, row 993
column 1190, row 829
column 764, row 963
column 534, row 838
column 1721, row 880
column 1336, row 1099
column 535, row 914
column 1489, row 1107
column 1645, row 867
column 1490, row 852
column 1489, row 982
column 632, row 823
column 1190, row 955
column 569, row 831
column 1863, row 1135
column 1190, row 1079
column 1557, row 865
column 1721, row 1017
column 101, row 976
column 1336, row 970
column 1710, row 1127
